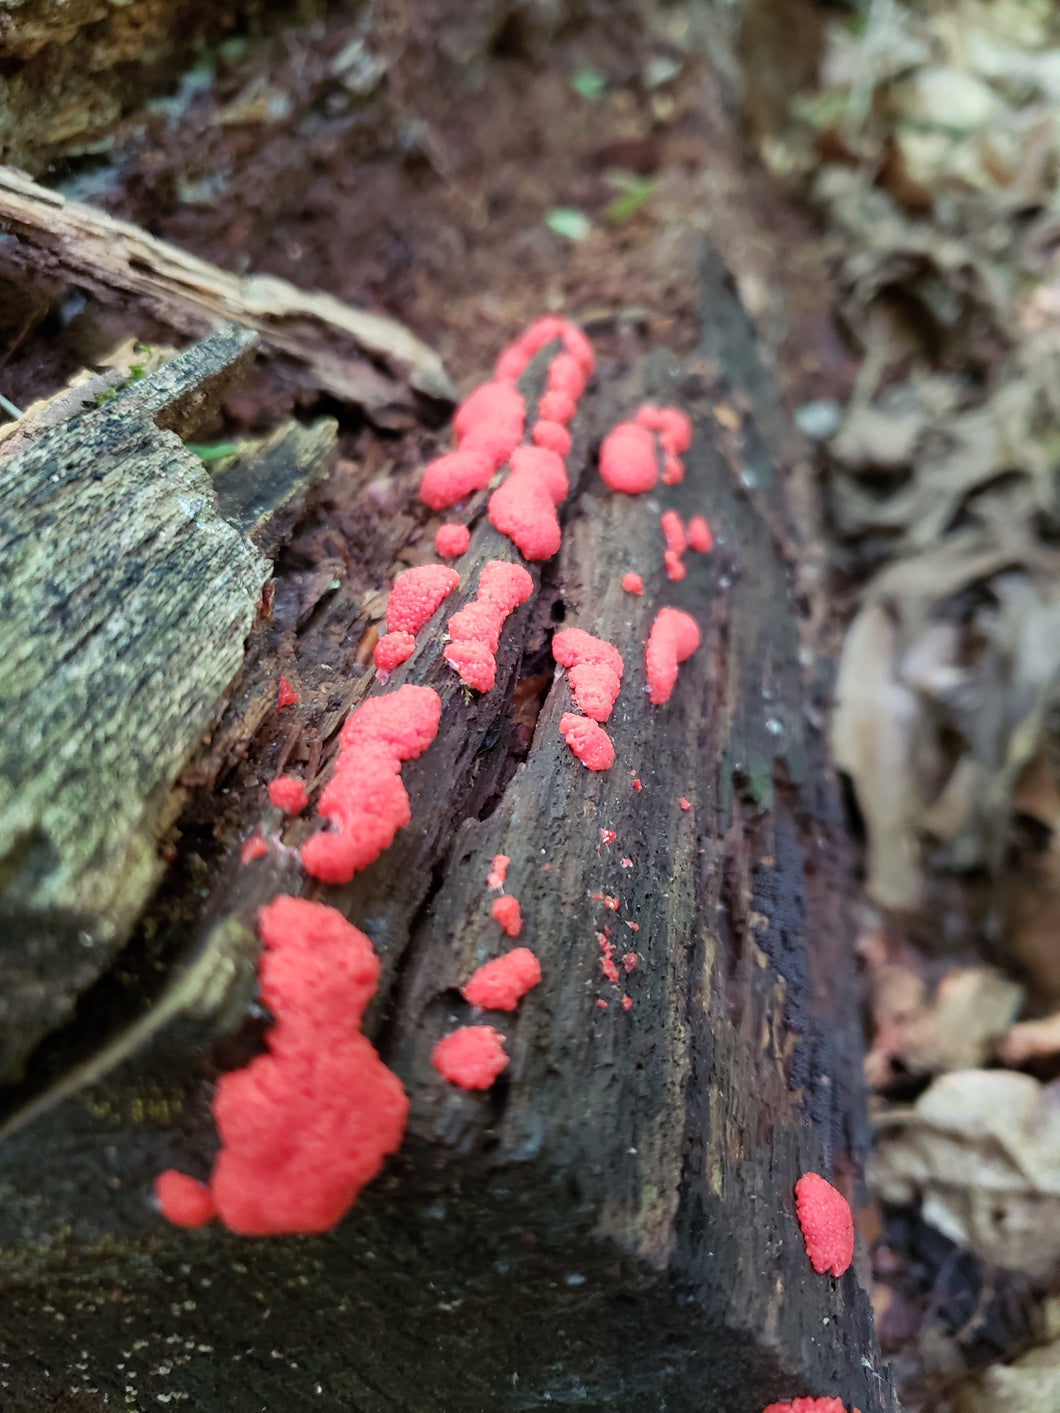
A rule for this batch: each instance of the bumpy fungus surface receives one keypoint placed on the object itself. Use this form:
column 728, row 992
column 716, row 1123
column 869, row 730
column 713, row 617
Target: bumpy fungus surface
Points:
column 595, row 668
column 471, row 1057
column 306, row 1126
column 413, row 600
column 675, row 437
column 674, row 637
column 287, row 793
column 501, row 984
column 365, row 798
column 451, row 540
column 523, row 507
column 589, row 742
column 498, row 871
column 286, row 696
column 676, row 544
column 827, row 1224
column 507, row 912
column 808, row 1405
column 488, row 426
column 475, row 630
column 633, row 583
column 551, row 435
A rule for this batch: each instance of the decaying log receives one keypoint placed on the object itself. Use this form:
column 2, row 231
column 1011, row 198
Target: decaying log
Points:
column 611, row 1225
column 358, row 357
column 125, row 600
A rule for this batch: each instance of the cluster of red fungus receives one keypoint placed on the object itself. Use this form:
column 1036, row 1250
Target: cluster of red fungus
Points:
column 317, row 970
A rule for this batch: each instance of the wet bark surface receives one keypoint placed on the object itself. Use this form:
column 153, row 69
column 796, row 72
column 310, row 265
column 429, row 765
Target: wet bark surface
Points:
column 612, row 1224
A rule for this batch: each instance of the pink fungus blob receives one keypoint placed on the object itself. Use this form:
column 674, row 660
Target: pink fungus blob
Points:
column 416, row 596
column 491, row 420
column 627, row 1003
column 685, row 804
column 627, row 459
column 523, row 507
column 556, row 407
column 413, row 600
column 588, row 741
column 629, row 962
column 675, row 437
column 633, row 583
column 307, row 1125
column 552, row 435
column 674, row 531
column 286, row 696
column 607, row 836
column 507, row 913
column 637, row 784
column 700, row 537
column 451, row 540
column 595, row 668
column 182, row 1200
column 454, row 476
column 501, row 984
column 515, row 359
column 474, row 630
column 808, row 1405
column 674, row 637
column 827, row 1224
column 566, row 375
column 471, row 1057
column 288, row 793
column 252, row 848
column 391, row 651
column 498, row 871
column 365, row 799
column 674, row 565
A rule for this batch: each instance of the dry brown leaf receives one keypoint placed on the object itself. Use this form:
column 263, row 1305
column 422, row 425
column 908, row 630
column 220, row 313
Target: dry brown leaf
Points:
column 980, row 1150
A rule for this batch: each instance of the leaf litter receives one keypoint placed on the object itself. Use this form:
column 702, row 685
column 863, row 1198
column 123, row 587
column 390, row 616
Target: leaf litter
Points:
column 931, row 147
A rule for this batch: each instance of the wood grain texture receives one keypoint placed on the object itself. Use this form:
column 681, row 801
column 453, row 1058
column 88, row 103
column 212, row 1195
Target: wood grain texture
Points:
column 358, row 357
column 125, row 600
column 612, row 1225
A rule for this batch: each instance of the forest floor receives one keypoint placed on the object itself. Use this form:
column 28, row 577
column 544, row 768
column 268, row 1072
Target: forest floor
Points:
column 463, row 181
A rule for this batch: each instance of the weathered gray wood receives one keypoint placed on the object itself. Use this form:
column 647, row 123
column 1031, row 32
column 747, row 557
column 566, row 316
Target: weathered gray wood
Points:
column 612, row 1224
column 355, row 355
column 125, row 600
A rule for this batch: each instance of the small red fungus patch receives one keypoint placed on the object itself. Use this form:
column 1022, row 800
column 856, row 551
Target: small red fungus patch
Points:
column 629, row 962
column 685, row 805
column 475, row 629
column 488, row 426
column 627, row 1003
column 676, row 539
column 451, row 540
column 674, row 637
column 700, row 537
column 808, row 1405
column 607, row 836
column 633, row 926
column 306, row 1126
column 627, row 863
column 453, row 477
column 601, row 1004
column 414, row 599
column 287, row 696
column 523, row 507
column 589, row 742
column 507, row 912
column 595, row 670
column 552, row 435
column 288, row 793
column 637, row 785
column 627, row 459
column 607, row 958
column 182, row 1200
column 471, row 1057
column 252, row 848
column 498, row 871
column 827, row 1225
column 501, row 984
column 365, row 798
column 633, row 583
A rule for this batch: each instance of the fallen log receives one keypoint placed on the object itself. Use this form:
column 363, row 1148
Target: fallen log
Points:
column 612, row 1223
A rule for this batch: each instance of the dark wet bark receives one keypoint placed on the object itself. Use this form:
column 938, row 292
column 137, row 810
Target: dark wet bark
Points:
column 612, row 1224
